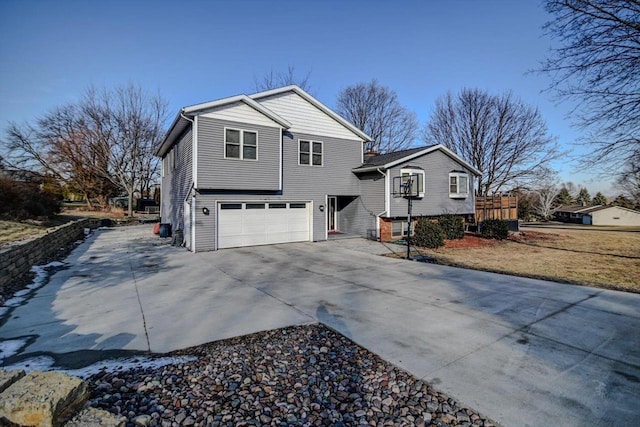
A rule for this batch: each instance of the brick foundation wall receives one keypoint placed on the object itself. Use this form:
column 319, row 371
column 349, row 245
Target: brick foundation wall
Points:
column 385, row 225
column 385, row 228
column 17, row 259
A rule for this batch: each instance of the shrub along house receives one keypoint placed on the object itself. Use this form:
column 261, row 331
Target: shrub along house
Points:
column 279, row 166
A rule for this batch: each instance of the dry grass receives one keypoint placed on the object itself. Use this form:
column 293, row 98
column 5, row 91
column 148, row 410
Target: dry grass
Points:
column 605, row 259
column 11, row 231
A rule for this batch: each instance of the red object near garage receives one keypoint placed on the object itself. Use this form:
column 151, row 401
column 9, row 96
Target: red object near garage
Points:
column 156, row 228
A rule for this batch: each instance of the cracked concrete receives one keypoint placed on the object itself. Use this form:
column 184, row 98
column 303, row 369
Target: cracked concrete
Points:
column 525, row 352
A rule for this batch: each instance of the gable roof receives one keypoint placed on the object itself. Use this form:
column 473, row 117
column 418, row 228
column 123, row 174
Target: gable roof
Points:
column 181, row 121
column 383, row 159
column 579, row 208
column 313, row 101
column 389, row 160
column 591, row 209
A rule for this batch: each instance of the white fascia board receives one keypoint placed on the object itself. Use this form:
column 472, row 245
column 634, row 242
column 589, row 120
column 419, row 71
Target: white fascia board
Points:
column 422, row 153
column 459, row 159
column 315, row 103
column 197, row 108
column 176, row 128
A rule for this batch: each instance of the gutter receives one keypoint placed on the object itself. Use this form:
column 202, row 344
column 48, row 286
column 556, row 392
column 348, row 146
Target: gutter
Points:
column 385, row 193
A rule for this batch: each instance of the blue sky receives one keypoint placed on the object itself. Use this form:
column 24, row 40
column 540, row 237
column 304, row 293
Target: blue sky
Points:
column 190, row 52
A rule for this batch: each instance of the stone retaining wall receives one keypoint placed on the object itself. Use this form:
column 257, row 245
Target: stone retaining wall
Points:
column 17, row 259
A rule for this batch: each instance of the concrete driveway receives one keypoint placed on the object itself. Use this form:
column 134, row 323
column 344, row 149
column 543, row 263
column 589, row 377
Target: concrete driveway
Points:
column 524, row 352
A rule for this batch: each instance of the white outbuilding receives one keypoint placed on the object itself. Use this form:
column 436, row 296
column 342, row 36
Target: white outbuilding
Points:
column 611, row 215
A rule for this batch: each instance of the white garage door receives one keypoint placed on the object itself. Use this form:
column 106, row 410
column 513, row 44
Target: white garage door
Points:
column 253, row 223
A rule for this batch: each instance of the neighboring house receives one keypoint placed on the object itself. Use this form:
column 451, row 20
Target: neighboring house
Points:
column 599, row 215
column 21, row 175
column 279, row 166
column 571, row 213
column 445, row 184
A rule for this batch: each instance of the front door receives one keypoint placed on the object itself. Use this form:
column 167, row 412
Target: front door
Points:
column 332, row 212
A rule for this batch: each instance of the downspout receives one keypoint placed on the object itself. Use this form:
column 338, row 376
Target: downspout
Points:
column 385, row 203
column 193, row 177
column 385, row 192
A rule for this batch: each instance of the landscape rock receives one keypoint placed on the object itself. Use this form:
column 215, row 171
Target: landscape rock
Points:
column 9, row 377
column 92, row 417
column 42, row 399
column 301, row 375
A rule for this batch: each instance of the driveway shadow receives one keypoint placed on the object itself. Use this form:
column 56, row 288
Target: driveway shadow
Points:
column 90, row 306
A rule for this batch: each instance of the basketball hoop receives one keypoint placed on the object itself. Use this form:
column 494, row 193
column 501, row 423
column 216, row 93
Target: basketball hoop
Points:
column 406, row 186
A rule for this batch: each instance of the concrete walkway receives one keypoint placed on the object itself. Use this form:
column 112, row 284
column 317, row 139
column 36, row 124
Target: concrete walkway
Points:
column 524, row 352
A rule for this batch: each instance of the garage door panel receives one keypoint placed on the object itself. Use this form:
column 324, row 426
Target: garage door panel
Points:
column 262, row 223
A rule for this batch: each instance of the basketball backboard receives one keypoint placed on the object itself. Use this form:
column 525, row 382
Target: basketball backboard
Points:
column 406, row 185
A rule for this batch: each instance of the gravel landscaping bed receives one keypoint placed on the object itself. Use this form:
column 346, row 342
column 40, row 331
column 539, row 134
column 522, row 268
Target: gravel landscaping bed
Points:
column 303, row 375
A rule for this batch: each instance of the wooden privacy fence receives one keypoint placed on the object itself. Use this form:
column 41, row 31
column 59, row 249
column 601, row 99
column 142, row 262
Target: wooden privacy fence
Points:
column 497, row 206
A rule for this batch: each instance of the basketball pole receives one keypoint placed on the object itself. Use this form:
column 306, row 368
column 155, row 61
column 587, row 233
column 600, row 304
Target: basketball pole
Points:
column 409, row 200
column 408, row 188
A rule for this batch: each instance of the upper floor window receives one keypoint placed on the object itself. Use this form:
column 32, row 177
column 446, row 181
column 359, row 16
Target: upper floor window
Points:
column 417, row 180
column 458, row 185
column 310, row 153
column 240, row 144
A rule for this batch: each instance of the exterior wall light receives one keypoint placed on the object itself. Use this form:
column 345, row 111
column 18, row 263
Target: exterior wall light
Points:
column 321, row 207
column 205, row 211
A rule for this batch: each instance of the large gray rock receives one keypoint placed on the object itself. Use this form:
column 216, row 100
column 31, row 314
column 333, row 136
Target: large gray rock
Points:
column 42, row 399
column 92, row 417
column 9, row 377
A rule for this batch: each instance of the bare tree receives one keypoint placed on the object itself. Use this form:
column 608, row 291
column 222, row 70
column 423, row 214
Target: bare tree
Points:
column 272, row 80
column 101, row 145
column 504, row 138
column 545, row 201
column 126, row 127
column 598, row 66
column 629, row 182
column 375, row 110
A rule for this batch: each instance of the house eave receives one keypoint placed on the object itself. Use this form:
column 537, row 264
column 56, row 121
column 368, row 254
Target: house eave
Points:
column 412, row 156
column 178, row 126
column 198, row 108
column 180, row 123
column 316, row 103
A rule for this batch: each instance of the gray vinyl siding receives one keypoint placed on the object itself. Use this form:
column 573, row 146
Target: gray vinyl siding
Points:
column 216, row 172
column 360, row 216
column 333, row 178
column 300, row 184
column 177, row 181
column 436, row 201
column 205, row 239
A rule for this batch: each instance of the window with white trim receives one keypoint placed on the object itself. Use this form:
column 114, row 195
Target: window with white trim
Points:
column 458, row 185
column 240, row 144
column 417, row 183
column 399, row 228
column 310, row 153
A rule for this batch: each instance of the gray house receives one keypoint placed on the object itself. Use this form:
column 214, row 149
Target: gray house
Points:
column 272, row 167
column 444, row 183
column 279, row 166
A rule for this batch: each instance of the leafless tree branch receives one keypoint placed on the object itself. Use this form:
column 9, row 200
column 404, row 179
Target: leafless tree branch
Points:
column 375, row 110
column 598, row 67
column 504, row 138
